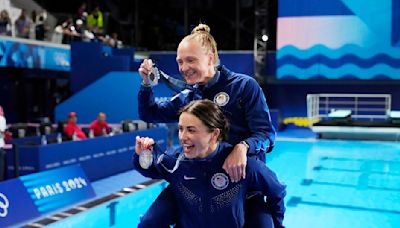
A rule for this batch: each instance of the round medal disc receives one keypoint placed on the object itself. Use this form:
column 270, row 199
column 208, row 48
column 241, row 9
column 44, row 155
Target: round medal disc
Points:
column 145, row 159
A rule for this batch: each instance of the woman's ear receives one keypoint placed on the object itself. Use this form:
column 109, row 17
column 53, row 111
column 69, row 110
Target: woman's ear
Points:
column 210, row 59
column 215, row 134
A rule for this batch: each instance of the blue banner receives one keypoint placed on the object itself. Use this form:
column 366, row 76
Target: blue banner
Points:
column 33, row 55
column 15, row 203
column 34, row 195
column 54, row 189
column 99, row 157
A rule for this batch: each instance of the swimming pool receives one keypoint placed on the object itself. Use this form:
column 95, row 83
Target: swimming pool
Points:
column 334, row 183
column 331, row 183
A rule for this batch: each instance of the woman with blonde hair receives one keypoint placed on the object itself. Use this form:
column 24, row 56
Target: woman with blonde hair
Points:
column 241, row 100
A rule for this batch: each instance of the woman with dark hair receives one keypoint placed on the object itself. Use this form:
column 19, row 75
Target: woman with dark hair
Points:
column 241, row 100
column 205, row 195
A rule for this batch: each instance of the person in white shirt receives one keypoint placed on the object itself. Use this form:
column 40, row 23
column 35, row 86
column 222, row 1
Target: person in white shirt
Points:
column 2, row 152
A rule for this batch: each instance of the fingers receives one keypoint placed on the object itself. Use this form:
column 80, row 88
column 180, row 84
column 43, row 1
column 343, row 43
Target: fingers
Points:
column 138, row 145
column 145, row 68
column 235, row 163
column 240, row 173
column 143, row 143
column 147, row 143
column 234, row 175
column 236, row 172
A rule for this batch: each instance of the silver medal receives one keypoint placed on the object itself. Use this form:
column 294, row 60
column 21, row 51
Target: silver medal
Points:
column 154, row 75
column 145, row 159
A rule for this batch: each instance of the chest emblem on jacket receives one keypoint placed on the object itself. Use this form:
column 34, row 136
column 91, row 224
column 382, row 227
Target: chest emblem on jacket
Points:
column 221, row 99
column 220, row 181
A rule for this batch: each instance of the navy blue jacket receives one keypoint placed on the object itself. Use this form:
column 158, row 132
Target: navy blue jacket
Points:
column 205, row 195
column 240, row 98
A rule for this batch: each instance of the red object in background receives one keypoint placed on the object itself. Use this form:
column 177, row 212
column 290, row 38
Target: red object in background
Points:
column 97, row 127
column 7, row 136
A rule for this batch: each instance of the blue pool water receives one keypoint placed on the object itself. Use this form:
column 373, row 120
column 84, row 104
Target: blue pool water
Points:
column 339, row 183
column 329, row 184
column 121, row 212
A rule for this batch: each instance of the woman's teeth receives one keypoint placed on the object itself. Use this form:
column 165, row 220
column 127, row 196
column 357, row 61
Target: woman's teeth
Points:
column 189, row 74
column 187, row 145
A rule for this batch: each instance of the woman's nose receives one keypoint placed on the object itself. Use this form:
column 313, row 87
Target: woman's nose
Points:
column 183, row 67
column 183, row 135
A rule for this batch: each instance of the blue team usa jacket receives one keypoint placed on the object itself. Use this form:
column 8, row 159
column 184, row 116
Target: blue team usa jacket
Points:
column 204, row 193
column 238, row 95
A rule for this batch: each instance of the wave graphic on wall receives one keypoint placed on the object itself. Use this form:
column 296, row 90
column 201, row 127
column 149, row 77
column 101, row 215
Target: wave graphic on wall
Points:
column 348, row 62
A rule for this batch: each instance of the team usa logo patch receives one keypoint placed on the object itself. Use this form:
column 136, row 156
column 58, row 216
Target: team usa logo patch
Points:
column 220, row 181
column 221, row 99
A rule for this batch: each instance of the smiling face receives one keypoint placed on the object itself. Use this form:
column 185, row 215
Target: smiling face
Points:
column 195, row 64
column 197, row 140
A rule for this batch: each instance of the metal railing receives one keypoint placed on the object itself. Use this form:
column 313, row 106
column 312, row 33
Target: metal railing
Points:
column 362, row 106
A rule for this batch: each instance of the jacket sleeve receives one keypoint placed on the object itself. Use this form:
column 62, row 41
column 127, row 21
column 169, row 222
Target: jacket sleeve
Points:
column 261, row 178
column 151, row 172
column 159, row 112
column 262, row 137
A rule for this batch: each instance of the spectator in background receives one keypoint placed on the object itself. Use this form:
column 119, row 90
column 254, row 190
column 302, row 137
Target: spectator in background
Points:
column 32, row 34
column 40, row 29
column 72, row 130
column 78, row 32
column 67, row 30
column 5, row 23
column 94, row 21
column 99, row 127
column 112, row 40
column 57, row 34
column 3, row 125
column 82, row 13
column 23, row 25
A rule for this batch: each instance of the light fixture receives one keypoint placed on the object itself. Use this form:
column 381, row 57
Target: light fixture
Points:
column 264, row 38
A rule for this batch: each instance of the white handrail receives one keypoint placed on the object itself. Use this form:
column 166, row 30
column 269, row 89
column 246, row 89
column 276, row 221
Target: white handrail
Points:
column 363, row 106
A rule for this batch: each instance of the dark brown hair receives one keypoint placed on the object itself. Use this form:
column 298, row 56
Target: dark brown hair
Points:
column 210, row 115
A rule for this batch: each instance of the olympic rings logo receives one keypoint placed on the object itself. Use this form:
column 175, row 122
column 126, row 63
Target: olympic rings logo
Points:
column 4, row 204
